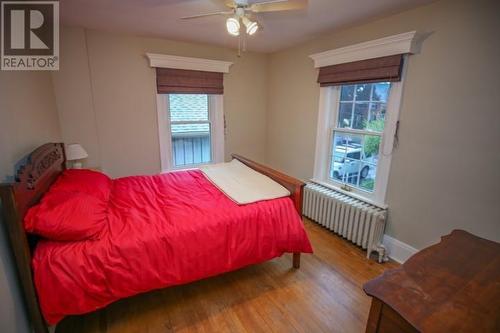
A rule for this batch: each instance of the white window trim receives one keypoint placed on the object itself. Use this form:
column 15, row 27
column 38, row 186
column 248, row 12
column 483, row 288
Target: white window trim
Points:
column 330, row 96
column 216, row 109
column 408, row 42
column 216, row 116
column 195, row 64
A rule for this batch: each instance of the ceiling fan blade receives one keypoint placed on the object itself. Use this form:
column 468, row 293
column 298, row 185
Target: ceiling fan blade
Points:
column 206, row 15
column 229, row 3
column 278, row 5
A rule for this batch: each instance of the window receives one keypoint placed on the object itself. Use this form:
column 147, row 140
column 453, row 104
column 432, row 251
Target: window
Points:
column 191, row 130
column 358, row 113
column 190, row 125
column 357, row 133
column 355, row 138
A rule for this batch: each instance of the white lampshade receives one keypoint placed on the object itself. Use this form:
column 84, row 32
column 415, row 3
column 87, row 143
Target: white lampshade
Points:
column 252, row 27
column 75, row 151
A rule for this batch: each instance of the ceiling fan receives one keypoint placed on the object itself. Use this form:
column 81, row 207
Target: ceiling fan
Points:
column 243, row 11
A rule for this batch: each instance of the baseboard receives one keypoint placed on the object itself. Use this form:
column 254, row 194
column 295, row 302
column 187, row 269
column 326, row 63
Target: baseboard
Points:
column 397, row 250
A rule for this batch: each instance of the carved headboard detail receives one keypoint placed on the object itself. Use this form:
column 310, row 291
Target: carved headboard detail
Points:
column 42, row 168
column 34, row 178
column 40, row 161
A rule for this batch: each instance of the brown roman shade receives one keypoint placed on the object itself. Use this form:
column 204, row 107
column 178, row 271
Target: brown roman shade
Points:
column 182, row 81
column 370, row 70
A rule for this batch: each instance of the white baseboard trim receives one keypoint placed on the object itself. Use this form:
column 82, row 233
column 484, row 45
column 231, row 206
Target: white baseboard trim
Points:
column 397, row 250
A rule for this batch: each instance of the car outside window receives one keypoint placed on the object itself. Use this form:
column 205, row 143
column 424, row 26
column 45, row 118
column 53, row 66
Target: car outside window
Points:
column 357, row 134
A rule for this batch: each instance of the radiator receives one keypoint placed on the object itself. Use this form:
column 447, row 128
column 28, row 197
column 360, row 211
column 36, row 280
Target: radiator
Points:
column 358, row 221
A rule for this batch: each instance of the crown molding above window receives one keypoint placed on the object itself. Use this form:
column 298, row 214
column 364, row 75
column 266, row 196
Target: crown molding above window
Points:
column 408, row 42
column 195, row 64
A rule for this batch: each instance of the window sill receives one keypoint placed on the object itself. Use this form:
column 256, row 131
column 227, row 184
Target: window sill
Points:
column 351, row 194
column 187, row 167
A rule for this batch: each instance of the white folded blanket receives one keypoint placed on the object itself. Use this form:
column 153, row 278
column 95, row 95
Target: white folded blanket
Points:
column 242, row 184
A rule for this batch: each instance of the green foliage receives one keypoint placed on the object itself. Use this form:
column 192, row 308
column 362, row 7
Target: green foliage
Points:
column 372, row 143
column 376, row 125
column 367, row 184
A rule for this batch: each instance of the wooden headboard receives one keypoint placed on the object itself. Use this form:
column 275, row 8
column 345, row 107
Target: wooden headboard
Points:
column 42, row 168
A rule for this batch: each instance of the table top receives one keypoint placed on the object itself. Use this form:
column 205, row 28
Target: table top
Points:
column 453, row 286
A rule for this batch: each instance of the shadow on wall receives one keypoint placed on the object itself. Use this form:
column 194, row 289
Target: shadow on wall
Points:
column 17, row 165
column 13, row 318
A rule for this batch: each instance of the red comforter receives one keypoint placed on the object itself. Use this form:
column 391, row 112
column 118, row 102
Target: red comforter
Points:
column 162, row 231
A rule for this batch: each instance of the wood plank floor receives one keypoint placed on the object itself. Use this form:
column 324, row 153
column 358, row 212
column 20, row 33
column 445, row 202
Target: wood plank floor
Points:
column 324, row 295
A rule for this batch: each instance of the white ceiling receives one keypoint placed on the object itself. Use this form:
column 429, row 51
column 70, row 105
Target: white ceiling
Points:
column 160, row 18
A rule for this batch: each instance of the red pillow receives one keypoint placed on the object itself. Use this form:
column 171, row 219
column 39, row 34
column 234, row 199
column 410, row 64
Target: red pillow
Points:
column 66, row 216
column 86, row 181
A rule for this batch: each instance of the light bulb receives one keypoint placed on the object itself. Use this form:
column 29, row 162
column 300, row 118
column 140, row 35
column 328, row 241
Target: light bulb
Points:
column 233, row 26
column 252, row 27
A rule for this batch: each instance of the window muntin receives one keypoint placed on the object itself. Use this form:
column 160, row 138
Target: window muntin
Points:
column 190, row 129
column 357, row 134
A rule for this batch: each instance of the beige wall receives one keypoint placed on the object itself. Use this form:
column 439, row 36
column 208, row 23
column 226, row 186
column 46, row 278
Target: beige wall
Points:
column 74, row 98
column 445, row 173
column 28, row 118
column 107, row 102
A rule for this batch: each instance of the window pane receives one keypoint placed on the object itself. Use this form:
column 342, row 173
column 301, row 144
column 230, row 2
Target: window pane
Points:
column 363, row 92
column 345, row 115
column 371, row 146
column 347, row 93
column 360, row 115
column 368, row 166
column 367, row 177
column 381, row 91
column 354, row 159
column 377, row 111
column 347, row 149
column 191, row 144
column 188, row 107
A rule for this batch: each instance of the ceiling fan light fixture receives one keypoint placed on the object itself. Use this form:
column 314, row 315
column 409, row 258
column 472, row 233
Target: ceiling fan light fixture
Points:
column 251, row 26
column 233, row 26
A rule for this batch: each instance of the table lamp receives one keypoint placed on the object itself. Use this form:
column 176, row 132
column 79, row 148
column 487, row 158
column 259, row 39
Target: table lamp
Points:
column 76, row 153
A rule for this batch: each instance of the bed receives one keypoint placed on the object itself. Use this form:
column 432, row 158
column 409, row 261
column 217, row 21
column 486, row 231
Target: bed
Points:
column 161, row 231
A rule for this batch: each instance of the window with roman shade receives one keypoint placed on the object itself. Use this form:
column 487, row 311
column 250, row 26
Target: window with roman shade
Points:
column 189, row 96
column 361, row 87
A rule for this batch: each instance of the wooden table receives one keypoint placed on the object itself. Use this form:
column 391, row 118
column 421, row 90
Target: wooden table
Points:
column 453, row 286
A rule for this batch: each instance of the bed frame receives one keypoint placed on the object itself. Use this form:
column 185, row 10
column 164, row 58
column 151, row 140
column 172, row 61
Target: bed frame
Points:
column 33, row 179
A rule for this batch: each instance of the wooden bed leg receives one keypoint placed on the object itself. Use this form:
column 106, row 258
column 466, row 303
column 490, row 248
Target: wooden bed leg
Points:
column 296, row 260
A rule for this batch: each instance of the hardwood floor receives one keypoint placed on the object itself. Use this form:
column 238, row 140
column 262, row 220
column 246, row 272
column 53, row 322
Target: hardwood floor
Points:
column 324, row 295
